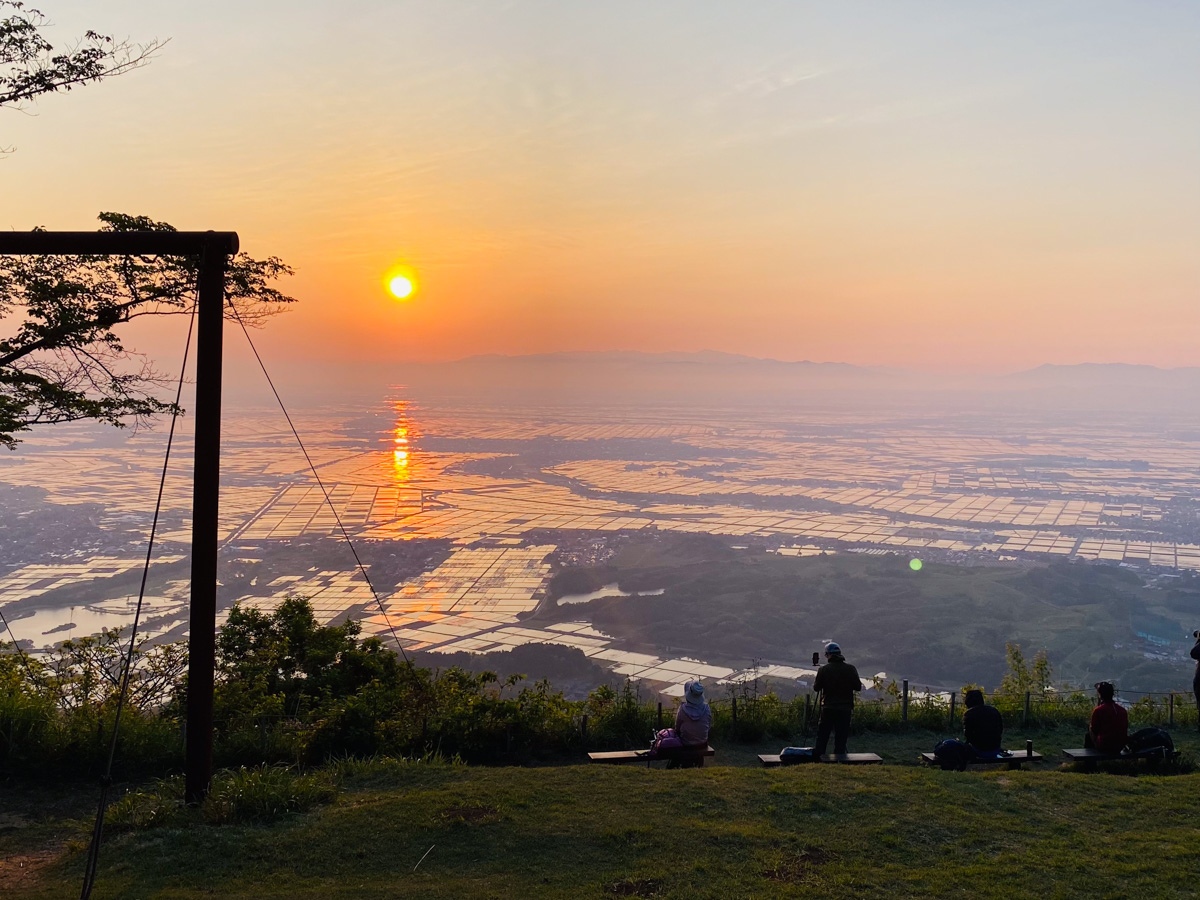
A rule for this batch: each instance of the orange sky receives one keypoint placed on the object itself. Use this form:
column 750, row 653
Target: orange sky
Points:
column 936, row 187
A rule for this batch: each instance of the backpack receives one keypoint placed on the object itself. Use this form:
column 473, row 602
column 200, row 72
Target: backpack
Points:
column 665, row 741
column 1150, row 741
column 790, row 756
column 952, row 754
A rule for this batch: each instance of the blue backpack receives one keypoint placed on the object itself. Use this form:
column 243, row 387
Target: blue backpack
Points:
column 952, row 754
column 1150, row 742
column 790, row 756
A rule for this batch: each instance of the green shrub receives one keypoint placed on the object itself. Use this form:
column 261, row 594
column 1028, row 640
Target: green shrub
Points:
column 240, row 796
column 291, row 692
column 264, row 794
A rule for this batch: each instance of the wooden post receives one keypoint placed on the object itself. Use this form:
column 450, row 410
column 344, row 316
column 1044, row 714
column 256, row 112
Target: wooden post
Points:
column 735, row 715
column 904, row 703
column 206, row 486
column 952, row 698
column 214, row 249
column 807, row 711
column 660, row 715
column 1025, row 723
column 1171, row 714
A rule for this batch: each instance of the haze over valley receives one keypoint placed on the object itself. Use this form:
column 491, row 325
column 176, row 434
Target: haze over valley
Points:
column 663, row 517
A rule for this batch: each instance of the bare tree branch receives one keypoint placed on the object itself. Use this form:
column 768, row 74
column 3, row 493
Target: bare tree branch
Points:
column 30, row 67
column 61, row 360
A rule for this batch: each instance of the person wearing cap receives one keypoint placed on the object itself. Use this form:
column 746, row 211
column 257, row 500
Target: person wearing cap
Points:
column 836, row 682
column 1109, row 728
column 983, row 728
column 693, row 719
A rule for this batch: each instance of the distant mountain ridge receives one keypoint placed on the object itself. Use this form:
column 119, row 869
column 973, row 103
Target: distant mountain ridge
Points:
column 712, row 377
column 1046, row 372
column 702, row 357
column 1093, row 374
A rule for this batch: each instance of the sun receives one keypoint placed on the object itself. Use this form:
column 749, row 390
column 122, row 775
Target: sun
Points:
column 400, row 281
column 400, row 287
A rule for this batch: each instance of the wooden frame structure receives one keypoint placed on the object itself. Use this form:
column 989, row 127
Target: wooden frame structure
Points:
column 213, row 249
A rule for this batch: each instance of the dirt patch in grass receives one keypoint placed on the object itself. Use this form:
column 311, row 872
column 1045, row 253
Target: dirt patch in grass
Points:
column 22, row 869
column 797, row 866
column 634, row 887
column 471, row 815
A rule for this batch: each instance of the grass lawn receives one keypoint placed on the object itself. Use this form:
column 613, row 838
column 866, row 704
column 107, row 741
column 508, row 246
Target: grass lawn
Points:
column 727, row 831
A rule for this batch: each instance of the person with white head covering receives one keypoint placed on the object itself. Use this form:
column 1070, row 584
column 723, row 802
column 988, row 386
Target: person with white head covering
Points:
column 836, row 681
column 693, row 719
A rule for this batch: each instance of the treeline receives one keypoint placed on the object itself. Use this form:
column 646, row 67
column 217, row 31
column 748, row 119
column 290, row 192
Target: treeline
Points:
column 289, row 690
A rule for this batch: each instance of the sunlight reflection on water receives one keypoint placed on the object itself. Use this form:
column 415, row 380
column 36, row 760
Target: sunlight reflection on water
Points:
column 609, row 590
column 47, row 627
column 401, row 443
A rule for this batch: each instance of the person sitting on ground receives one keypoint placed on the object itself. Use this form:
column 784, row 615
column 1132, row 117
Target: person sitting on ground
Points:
column 983, row 728
column 836, row 682
column 693, row 719
column 1109, row 728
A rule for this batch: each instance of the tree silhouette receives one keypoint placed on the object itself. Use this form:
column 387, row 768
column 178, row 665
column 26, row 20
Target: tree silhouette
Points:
column 61, row 361
column 30, row 67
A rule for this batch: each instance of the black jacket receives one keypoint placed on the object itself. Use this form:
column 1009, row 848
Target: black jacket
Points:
column 983, row 727
column 837, row 681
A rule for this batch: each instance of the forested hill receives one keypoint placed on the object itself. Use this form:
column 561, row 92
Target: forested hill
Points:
column 942, row 625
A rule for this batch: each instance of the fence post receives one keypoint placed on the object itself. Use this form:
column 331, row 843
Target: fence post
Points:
column 904, row 704
column 735, row 715
column 1025, row 723
column 1171, row 714
column 583, row 729
column 807, row 711
column 660, row 715
column 952, row 698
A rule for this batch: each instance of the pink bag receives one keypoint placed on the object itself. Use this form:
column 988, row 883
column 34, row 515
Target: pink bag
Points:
column 665, row 740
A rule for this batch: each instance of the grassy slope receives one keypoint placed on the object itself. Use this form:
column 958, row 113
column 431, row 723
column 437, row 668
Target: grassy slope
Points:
column 725, row 832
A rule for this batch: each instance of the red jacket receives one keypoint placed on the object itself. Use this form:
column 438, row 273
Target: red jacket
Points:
column 1109, row 727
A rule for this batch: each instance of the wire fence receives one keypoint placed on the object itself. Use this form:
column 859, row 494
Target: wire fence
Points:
column 750, row 717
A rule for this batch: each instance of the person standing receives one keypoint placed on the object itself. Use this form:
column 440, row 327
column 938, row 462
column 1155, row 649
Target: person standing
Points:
column 836, row 682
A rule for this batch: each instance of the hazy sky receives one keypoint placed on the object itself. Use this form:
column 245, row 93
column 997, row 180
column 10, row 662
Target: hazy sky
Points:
column 940, row 185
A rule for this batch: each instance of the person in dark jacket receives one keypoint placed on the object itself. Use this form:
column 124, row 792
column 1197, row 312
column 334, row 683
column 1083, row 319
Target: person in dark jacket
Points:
column 1196, row 678
column 983, row 729
column 1109, row 727
column 836, row 682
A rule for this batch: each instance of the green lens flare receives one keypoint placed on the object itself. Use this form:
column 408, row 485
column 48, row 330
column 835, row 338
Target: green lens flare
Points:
column 915, row 565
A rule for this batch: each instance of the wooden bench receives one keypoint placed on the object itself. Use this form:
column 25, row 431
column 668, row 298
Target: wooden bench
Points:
column 1013, row 761
column 1090, row 757
column 617, row 757
column 770, row 760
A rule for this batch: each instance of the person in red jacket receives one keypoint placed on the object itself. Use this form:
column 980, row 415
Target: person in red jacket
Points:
column 1109, row 728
